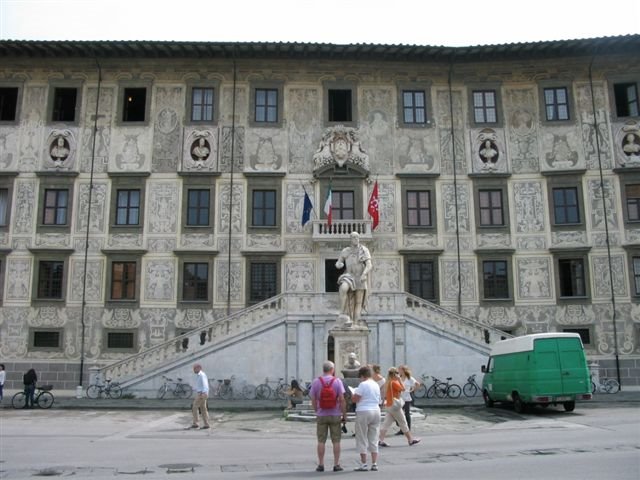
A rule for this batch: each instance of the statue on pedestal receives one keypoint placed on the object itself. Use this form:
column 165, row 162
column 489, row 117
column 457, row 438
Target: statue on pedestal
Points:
column 353, row 283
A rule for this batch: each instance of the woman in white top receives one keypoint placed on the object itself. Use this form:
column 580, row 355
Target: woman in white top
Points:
column 410, row 384
column 367, row 399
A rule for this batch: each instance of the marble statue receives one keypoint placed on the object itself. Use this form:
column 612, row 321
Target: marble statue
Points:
column 353, row 283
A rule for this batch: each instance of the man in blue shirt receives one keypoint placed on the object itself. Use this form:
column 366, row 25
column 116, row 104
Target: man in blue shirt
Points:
column 200, row 402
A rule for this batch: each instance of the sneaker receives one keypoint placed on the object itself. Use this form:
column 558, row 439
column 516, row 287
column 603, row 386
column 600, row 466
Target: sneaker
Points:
column 320, row 468
column 205, row 427
column 337, row 468
column 192, row 426
column 399, row 432
column 414, row 441
column 374, row 467
column 361, row 468
column 382, row 443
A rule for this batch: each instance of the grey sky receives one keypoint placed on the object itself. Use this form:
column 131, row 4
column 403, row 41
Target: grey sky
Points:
column 424, row 22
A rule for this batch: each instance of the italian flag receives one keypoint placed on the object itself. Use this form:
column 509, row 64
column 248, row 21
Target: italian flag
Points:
column 328, row 206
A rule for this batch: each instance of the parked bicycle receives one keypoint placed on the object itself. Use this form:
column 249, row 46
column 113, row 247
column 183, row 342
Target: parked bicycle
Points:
column 421, row 391
column 108, row 389
column 43, row 398
column 221, row 388
column 605, row 385
column 471, row 388
column 264, row 391
column 442, row 389
column 176, row 387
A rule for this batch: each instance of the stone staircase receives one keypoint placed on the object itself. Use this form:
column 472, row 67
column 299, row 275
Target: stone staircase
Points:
column 207, row 338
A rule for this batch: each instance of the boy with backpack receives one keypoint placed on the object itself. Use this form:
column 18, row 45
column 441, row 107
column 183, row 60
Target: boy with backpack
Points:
column 327, row 400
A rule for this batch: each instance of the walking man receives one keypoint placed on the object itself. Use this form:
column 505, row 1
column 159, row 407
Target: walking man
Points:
column 327, row 400
column 200, row 402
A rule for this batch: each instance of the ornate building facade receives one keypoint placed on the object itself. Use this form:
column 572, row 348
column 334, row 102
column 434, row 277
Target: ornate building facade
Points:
column 152, row 190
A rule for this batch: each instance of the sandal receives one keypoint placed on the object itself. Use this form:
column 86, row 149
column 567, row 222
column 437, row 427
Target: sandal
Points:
column 382, row 443
column 414, row 441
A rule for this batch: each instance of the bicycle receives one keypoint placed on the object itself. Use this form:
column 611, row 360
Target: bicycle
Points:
column 442, row 389
column 221, row 388
column 43, row 398
column 176, row 387
column 605, row 385
column 264, row 391
column 421, row 391
column 471, row 388
column 109, row 389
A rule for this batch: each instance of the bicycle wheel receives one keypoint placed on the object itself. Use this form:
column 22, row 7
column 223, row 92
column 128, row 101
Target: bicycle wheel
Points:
column 281, row 392
column 249, row 392
column 93, row 391
column 454, row 391
column 611, row 386
column 263, row 392
column 162, row 391
column 45, row 400
column 421, row 391
column 114, row 390
column 18, row 400
column 184, row 390
column 431, row 392
column 470, row 390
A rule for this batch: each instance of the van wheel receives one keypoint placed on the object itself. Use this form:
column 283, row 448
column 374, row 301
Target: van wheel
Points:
column 569, row 406
column 487, row 399
column 518, row 405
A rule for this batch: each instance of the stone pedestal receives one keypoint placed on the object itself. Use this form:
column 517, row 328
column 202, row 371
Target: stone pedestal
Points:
column 346, row 340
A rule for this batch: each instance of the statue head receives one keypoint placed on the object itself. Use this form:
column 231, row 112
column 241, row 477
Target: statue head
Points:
column 355, row 238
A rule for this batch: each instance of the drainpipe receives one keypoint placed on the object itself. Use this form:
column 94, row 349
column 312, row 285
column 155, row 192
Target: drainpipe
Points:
column 455, row 186
column 233, row 138
column 86, row 238
column 606, row 222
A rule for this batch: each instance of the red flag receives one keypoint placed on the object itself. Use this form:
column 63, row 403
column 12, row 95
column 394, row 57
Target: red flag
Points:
column 374, row 204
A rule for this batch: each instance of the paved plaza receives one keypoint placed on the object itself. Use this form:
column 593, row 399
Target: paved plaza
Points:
column 457, row 440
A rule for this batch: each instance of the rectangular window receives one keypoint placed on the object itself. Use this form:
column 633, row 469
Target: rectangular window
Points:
column 418, row 208
column 496, row 279
column 413, row 106
column 636, row 275
column 626, row 98
column 263, row 278
column 46, row 339
column 421, row 279
column 120, row 340
column 632, row 193
column 266, row 105
column 264, row 208
column 198, row 208
column 4, row 207
column 135, row 105
column 491, row 209
column 572, row 278
column 64, row 104
column 8, row 104
column 201, row 104
column 342, row 205
column 56, row 203
column 484, row 106
column 123, row 281
column 556, row 103
column 585, row 334
column 331, row 275
column 128, row 207
column 340, row 105
column 195, row 282
column 50, row 277
column 565, row 206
